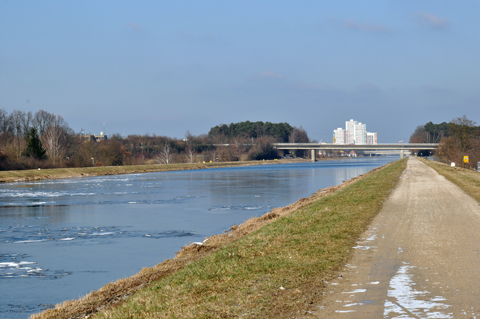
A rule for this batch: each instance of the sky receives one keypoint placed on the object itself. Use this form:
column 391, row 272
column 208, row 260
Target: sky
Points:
column 168, row 67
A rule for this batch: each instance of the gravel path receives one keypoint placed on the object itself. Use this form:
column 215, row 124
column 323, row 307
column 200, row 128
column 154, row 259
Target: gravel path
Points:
column 420, row 257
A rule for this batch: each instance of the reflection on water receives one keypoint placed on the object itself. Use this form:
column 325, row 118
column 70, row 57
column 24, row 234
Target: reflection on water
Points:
column 60, row 239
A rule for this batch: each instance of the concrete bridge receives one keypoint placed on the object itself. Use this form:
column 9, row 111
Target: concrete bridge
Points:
column 402, row 147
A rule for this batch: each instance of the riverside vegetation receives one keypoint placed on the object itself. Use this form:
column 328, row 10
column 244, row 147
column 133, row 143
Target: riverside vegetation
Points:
column 458, row 138
column 273, row 266
column 45, row 140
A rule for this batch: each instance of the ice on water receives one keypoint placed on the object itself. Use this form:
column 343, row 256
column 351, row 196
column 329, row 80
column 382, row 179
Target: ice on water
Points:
column 21, row 269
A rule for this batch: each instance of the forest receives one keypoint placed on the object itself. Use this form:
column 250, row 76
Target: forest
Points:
column 45, row 140
column 457, row 139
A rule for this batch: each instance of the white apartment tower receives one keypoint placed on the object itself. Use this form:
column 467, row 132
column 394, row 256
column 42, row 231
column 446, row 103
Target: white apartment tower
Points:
column 355, row 133
column 339, row 136
column 350, row 131
column 371, row 138
column 360, row 133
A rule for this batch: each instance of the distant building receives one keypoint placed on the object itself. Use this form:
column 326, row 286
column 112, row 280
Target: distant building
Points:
column 96, row 138
column 371, row 138
column 360, row 134
column 339, row 136
column 350, row 132
column 355, row 133
column 101, row 137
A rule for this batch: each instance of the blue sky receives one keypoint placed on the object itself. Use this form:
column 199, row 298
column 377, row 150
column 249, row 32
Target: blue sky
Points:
column 165, row 67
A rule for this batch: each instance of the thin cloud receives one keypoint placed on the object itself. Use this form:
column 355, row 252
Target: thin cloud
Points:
column 365, row 27
column 135, row 27
column 425, row 19
column 271, row 75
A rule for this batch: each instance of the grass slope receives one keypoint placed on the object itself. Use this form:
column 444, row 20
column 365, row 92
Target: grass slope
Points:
column 274, row 272
column 466, row 179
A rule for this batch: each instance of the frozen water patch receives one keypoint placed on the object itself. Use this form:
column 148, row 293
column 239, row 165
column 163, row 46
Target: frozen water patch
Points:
column 404, row 301
column 220, row 208
column 21, row 234
column 252, row 207
column 104, row 233
column 12, row 269
column 29, row 241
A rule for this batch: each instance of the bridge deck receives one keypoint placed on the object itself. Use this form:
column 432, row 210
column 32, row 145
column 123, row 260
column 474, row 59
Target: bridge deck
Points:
column 315, row 146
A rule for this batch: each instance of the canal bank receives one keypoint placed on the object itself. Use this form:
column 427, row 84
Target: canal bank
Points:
column 79, row 172
column 271, row 266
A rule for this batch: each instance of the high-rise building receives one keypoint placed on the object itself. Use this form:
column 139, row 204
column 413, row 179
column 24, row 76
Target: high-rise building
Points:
column 371, row 138
column 350, row 134
column 355, row 133
column 339, row 136
column 360, row 134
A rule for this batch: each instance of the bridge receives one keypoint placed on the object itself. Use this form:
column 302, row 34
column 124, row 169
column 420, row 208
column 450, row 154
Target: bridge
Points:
column 366, row 147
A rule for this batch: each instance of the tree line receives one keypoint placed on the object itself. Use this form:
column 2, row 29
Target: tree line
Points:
column 279, row 131
column 45, row 140
column 458, row 138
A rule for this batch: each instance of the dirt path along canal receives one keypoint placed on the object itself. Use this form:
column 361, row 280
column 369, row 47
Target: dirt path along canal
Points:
column 420, row 257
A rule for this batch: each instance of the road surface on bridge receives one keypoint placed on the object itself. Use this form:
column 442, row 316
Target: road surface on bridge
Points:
column 420, row 257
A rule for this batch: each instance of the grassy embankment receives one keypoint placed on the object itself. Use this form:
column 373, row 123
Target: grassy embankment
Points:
column 466, row 179
column 57, row 173
column 273, row 266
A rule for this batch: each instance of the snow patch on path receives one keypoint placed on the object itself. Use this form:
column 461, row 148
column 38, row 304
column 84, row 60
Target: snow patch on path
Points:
column 403, row 301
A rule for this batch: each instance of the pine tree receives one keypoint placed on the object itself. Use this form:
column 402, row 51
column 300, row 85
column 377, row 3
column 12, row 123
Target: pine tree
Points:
column 34, row 145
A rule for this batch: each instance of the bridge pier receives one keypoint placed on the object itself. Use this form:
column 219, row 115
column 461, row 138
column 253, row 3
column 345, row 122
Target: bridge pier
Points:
column 402, row 155
column 313, row 155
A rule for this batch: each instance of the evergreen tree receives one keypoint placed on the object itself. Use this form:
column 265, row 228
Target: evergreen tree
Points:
column 34, row 145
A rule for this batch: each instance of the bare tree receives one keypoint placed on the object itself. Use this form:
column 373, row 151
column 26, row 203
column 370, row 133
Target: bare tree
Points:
column 463, row 131
column 213, row 153
column 299, row 135
column 4, row 122
column 166, row 155
column 190, row 154
column 26, row 123
column 238, row 146
column 16, row 121
column 42, row 120
column 419, row 135
column 56, row 139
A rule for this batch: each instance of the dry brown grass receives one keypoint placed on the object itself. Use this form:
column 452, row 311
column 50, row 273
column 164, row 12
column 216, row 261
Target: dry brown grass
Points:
column 250, row 261
column 466, row 179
